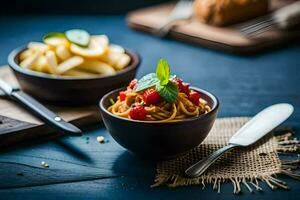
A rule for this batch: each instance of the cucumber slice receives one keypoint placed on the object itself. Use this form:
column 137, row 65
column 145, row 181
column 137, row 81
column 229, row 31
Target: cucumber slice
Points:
column 53, row 34
column 79, row 37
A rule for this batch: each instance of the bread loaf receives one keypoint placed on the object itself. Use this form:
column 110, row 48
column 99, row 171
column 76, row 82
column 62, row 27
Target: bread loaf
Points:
column 226, row 12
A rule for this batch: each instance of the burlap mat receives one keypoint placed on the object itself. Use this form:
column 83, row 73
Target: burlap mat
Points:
column 243, row 167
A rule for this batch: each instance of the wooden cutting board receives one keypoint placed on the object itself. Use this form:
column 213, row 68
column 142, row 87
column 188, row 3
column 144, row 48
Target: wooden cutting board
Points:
column 220, row 38
column 18, row 125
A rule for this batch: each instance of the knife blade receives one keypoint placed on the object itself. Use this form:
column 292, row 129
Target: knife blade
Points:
column 39, row 110
column 262, row 123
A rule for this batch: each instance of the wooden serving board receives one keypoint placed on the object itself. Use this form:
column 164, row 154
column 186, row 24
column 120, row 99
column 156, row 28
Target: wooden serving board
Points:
column 221, row 38
column 19, row 125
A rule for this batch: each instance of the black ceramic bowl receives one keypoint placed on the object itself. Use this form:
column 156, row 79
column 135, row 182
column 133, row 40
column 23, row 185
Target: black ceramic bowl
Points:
column 68, row 90
column 159, row 140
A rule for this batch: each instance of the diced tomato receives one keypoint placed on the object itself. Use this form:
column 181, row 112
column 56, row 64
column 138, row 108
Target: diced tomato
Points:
column 194, row 97
column 138, row 113
column 151, row 96
column 183, row 87
column 122, row 95
column 133, row 83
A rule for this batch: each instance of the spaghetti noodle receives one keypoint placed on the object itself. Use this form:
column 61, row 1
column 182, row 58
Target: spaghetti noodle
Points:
column 159, row 97
column 181, row 109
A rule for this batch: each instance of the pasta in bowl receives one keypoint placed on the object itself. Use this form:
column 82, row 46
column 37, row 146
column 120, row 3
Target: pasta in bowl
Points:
column 149, row 106
column 62, row 71
column 159, row 121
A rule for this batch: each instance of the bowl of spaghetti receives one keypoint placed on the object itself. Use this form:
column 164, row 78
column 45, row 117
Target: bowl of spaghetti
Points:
column 159, row 116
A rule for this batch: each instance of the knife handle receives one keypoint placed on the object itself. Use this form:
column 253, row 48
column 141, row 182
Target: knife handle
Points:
column 201, row 166
column 45, row 114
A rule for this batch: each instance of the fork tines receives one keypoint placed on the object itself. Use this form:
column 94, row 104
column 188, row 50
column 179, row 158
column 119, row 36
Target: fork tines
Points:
column 257, row 26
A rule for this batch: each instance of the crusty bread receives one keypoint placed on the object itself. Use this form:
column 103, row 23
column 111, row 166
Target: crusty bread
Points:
column 226, row 12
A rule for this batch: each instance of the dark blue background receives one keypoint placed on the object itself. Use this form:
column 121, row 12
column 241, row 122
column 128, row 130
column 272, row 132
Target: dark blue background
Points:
column 73, row 6
column 244, row 86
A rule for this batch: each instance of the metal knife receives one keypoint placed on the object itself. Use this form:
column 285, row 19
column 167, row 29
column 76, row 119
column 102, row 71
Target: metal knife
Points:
column 38, row 109
column 261, row 124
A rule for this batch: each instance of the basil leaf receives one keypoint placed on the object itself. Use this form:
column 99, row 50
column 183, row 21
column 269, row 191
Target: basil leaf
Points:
column 163, row 71
column 169, row 92
column 146, row 81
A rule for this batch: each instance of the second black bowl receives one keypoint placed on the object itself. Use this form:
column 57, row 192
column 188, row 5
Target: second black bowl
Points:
column 69, row 91
column 159, row 140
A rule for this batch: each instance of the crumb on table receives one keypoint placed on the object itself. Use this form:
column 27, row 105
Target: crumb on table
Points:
column 100, row 139
column 44, row 164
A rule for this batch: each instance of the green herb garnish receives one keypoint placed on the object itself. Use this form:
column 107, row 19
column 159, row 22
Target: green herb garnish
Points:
column 161, row 80
column 169, row 92
column 163, row 71
column 112, row 102
column 146, row 81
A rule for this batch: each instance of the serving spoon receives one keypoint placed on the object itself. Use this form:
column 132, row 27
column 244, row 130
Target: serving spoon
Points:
column 261, row 124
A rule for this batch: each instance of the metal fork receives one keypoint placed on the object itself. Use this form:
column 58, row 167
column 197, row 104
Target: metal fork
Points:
column 284, row 18
column 183, row 10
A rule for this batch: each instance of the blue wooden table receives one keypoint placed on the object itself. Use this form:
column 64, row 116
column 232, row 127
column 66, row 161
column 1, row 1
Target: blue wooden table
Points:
column 244, row 86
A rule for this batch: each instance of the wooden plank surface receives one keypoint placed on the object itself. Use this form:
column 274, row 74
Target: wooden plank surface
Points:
column 19, row 124
column 68, row 161
column 221, row 38
column 28, row 175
